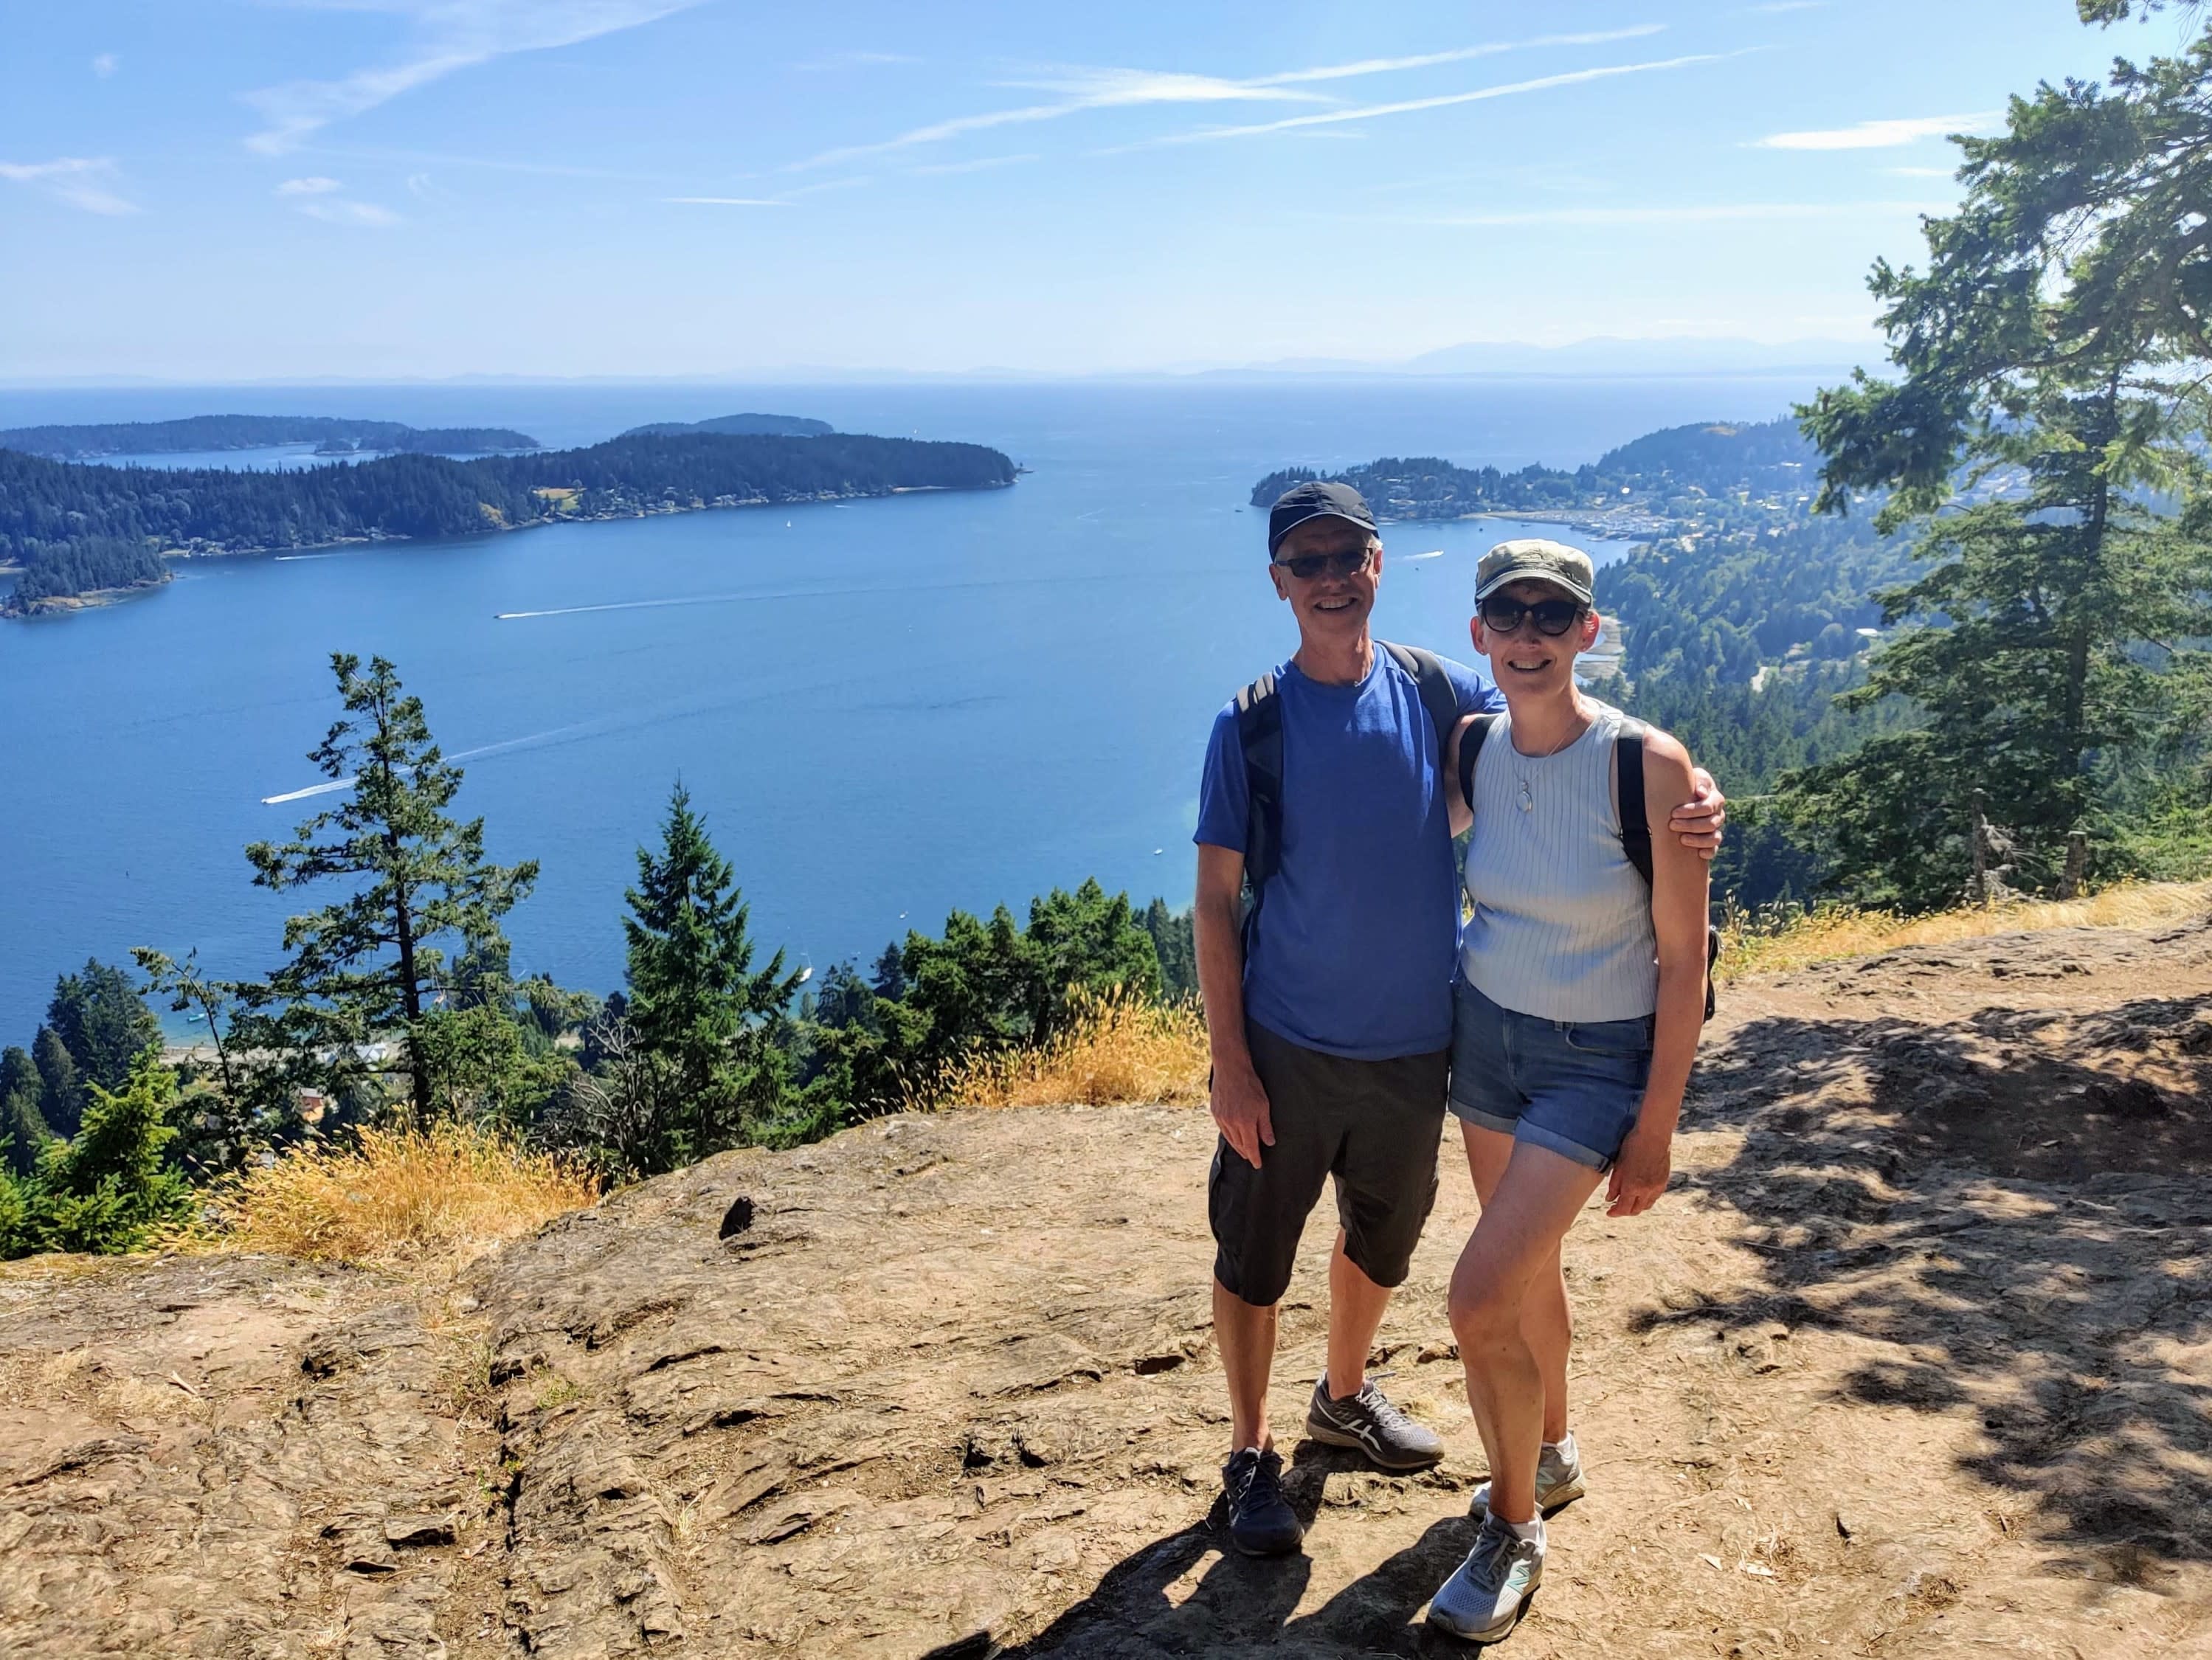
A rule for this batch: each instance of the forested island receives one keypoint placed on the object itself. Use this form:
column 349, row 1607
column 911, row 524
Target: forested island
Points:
column 1661, row 475
column 78, row 530
column 740, row 426
column 205, row 433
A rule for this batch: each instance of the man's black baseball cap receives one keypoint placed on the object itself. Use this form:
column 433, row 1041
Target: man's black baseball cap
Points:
column 1319, row 499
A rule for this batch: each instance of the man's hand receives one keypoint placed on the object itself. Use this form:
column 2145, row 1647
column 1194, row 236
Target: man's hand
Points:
column 1698, row 821
column 1639, row 1175
column 1240, row 1107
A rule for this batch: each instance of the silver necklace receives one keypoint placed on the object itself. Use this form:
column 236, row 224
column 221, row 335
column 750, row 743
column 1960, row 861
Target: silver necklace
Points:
column 1528, row 799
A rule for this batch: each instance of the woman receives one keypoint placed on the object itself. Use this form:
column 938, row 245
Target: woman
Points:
column 1582, row 990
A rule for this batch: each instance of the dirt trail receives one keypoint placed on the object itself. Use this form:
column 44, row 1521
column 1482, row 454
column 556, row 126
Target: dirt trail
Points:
column 1916, row 1358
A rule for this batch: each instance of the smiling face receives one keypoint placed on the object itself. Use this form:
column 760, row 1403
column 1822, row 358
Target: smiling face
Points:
column 1526, row 663
column 1329, row 607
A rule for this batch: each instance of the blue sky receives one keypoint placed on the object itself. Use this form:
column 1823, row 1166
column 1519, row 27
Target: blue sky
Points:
column 245, row 189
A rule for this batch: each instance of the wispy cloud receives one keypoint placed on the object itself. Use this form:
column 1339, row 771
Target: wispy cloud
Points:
column 1086, row 90
column 1877, row 135
column 1408, row 106
column 83, row 181
column 450, row 35
column 1457, row 55
column 727, row 201
column 348, row 213
column 1918, row 173
column 320, row 198
column 1082, row 89
column 1774, row 6
column 980, row 165
column 1686, row 214
column 106, row 64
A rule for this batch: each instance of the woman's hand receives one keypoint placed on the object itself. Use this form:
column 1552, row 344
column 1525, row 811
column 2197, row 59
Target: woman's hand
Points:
column 1639, row 1175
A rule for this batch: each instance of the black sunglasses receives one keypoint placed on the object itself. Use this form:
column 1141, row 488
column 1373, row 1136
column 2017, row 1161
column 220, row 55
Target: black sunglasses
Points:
column 1345, row 561
column 1502, row 614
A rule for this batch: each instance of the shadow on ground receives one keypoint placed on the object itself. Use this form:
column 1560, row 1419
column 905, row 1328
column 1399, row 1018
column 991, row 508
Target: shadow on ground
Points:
column 1143, row 1609
column 2013, row 1206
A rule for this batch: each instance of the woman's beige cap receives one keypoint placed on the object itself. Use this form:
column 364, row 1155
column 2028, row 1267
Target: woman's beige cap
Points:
column 1534, row 559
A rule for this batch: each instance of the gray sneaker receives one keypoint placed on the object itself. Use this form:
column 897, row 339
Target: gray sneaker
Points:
column 1558, row 1481
column 1368, row 1422
column 1486, row 1594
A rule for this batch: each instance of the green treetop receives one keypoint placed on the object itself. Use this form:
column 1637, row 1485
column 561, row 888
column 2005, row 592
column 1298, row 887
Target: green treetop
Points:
column 2044, row 434
column 364, row 969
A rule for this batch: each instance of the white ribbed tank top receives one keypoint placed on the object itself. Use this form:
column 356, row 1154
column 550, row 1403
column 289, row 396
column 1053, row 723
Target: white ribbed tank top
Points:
column 1561, row 922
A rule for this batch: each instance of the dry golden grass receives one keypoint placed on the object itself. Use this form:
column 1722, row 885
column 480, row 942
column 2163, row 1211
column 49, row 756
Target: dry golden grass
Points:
column 1771, row 943
column 1121, row 1048
column 400, row 1198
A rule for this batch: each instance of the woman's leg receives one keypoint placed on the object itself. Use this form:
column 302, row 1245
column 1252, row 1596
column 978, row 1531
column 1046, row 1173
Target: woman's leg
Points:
column 1546, row 1320
column 1531, row 1206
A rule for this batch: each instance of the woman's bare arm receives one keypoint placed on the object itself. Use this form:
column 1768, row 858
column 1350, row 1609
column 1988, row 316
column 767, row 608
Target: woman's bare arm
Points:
column 1679, row 901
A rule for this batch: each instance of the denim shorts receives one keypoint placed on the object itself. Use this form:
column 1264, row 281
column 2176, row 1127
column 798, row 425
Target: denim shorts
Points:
column 1573, row 1087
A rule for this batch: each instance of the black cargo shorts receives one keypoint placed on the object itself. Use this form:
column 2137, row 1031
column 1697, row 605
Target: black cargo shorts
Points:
column 1373, row 1125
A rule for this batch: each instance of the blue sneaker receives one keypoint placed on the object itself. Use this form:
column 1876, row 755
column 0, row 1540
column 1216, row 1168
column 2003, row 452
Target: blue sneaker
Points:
column 1485, row 1595
column 1261, row 1520
column 1558, row 1481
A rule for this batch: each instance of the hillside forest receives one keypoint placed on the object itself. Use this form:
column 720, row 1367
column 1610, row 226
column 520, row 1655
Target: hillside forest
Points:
column 78, row 528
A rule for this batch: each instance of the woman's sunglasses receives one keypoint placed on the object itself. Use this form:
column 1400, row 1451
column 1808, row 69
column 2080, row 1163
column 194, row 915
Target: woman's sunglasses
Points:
column 1502, row 614
column 1345, row 561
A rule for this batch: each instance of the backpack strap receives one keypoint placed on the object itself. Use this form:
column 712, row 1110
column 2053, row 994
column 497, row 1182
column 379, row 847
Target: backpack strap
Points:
column 1628, row 792
column 1636, row 829
column 1260, row 734
column 1439, row 696
column 1470, row 751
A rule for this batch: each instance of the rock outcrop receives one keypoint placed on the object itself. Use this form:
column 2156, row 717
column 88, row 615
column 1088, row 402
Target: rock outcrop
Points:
column 1915, row 1355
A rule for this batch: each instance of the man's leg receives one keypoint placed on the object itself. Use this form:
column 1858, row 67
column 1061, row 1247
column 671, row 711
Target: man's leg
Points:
column 1246, row 1334
column 1356, row 1306
column 1532, row 1206
column 1546, row 1319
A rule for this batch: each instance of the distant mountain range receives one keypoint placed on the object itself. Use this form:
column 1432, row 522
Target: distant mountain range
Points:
column 1596, row 356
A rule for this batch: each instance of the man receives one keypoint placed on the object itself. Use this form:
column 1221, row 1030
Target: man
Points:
column 1331, row 1036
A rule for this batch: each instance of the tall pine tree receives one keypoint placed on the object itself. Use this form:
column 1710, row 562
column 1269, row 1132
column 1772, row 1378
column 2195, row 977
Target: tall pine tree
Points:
column 702, row 1015
column 366, row 968
column 2046, row 434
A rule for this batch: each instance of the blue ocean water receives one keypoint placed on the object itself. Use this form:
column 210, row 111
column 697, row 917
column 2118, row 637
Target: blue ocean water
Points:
column 886, row 708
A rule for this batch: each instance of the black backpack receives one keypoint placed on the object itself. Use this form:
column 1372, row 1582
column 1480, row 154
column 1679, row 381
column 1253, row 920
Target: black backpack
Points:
column 1260, row 732
column 1635, row 822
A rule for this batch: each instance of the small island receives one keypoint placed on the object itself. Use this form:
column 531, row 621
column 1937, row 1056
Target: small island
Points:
column 740, row 426
column 82, row 533
column 205, row 434
column 1640, row 489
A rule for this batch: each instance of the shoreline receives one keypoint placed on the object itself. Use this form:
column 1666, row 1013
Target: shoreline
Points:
column 93, row 599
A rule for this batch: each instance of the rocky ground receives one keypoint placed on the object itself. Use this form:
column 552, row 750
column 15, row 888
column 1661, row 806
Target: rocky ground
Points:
column 1916, row 1357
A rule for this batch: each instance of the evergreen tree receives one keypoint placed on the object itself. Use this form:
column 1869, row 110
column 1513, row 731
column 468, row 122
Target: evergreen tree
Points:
column 103, row 1022
column 61, row 1092
column 24, row 1130
column 108, row 1188
column 1175, row 946
column 2046, row 432
column 698, row 1010
column 364, row 969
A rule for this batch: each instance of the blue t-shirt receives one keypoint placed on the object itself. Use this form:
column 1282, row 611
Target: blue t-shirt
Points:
column 1353, row 952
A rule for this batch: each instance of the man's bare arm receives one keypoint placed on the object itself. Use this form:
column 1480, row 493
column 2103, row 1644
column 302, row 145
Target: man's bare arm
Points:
column 1239, row 1102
